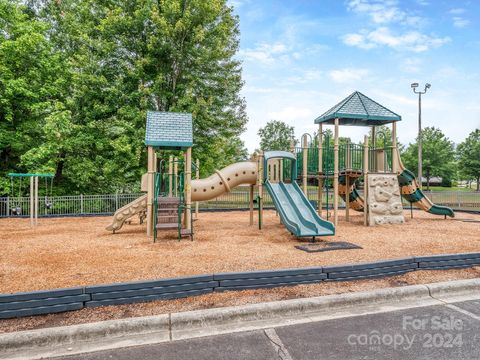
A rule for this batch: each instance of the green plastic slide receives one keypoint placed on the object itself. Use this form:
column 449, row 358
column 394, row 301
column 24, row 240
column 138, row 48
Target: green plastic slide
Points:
column 296, row 211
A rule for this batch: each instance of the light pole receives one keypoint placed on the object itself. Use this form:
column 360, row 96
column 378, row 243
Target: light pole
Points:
column 414, row 88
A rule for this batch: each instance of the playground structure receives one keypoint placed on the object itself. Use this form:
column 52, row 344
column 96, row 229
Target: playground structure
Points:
column 170, row 190
column 379, row 166
column 15, row 209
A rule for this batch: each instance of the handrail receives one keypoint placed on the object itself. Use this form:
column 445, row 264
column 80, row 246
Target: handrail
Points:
column 157, row 185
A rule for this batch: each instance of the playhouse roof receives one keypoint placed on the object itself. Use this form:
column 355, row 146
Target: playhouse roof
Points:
column 169, row 130
column 358, row 109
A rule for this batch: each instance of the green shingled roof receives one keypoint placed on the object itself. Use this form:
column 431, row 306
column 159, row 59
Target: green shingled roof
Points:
column 169, row 130
column 358, row 109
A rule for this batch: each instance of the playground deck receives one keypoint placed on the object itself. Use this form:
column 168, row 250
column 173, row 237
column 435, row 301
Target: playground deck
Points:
column 66, row 252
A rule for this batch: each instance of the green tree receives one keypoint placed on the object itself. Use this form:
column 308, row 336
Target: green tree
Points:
column 31, row 83
column 127, row 57
column 276, row 135
column 438, row 155
column 469, row 157
column 384, row 138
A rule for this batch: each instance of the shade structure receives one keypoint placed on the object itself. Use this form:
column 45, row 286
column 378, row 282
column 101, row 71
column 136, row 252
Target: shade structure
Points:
column 358, row 109
column 169, row 130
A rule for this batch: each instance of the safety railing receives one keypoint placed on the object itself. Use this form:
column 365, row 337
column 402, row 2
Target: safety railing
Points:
column 350, row 157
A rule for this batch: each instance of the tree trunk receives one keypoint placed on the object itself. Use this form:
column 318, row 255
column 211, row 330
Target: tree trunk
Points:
column 59, row 169
column 478, row 183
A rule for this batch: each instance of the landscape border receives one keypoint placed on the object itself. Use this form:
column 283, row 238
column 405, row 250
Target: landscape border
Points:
column 59, row 300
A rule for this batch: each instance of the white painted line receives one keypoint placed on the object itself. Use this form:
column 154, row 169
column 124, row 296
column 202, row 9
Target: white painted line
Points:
column 277, row 344
column 463, row 311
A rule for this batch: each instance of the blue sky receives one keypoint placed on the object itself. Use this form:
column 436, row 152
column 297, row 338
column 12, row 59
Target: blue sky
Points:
column 300, row 57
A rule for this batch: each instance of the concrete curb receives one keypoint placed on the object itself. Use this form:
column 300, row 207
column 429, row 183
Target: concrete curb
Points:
column 454, row 291
column 262, row 315
column 65, row 335
column 167, row 327
column 262, row 311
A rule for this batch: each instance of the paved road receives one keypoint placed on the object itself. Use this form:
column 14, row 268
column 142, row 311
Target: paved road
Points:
column 438, row 332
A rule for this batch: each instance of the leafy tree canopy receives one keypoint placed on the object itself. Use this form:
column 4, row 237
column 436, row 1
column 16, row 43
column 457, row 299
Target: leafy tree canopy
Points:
column 77, row 77
column 276, row 135
column 469, row 157
column 437, row 155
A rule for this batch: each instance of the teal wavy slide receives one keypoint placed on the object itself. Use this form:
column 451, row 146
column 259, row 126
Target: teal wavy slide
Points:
column 412, row 193
column 296, row 212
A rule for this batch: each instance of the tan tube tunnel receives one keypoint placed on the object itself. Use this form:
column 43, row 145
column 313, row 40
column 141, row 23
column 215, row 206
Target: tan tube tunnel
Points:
column 224, row 180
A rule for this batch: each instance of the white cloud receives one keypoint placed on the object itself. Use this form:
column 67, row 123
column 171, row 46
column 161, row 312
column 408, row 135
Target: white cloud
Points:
column 258, row 90
column 460, row 22
column 305, row 76
column 411, row 65
column 383, row 12
column 400, row 100
column 238, row 3
column 382, row 36
column 380, row 11
column 265, row 53
column 290, row 114
column 347, row 75
column 358, row 40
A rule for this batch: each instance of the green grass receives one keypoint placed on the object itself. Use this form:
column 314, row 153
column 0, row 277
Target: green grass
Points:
column 444, row 189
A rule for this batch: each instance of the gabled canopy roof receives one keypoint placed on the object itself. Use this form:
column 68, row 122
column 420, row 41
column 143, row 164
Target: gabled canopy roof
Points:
column 358, row 109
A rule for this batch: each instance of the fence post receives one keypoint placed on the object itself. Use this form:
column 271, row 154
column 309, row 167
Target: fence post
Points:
column 458, row 198
column 7, row 210
column 81, row 203
column 116, row 201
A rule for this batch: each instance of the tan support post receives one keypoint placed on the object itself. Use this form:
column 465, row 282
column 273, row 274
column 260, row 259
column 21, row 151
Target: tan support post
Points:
column 394, row 148
column 347, row 198
column 260, row 188
column 320, row 169
column 374, row 148
column 365, row 181
column 175, row 175
column 32, row 202
column 251, row 204
column 348, row 157
column 188, row 188
column 305, row 164
column 280, row 170
column 150, row 190
column 335, row 175
column 170, row 175
column 197, row 176
column 36, row 200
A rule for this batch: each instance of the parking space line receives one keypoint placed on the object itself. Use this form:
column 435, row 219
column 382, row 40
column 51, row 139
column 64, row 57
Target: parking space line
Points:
column 463, row 311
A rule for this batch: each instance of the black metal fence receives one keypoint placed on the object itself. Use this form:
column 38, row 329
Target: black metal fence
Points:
column 85, row 205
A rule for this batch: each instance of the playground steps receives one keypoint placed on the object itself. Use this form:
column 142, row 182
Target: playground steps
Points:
column 167, row 214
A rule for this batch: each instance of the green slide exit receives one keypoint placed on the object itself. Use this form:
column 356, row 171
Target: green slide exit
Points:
column 296, row 211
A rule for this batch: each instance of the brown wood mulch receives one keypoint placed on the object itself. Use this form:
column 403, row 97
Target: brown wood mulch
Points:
column 67, row 252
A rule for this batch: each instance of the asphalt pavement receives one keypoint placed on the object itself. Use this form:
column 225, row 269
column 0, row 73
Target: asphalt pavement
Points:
column 441, row 332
